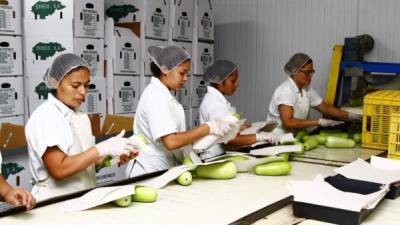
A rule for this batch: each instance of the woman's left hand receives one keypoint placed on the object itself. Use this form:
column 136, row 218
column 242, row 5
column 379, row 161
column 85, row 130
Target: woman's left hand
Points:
column 19, row 196
column 244, row 126
column 125, row 158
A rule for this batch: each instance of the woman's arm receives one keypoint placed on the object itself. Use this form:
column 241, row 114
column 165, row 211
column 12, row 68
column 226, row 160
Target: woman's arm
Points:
column 242, row 140
column 329, row 110
column 4, row 187
column 61, row 165
column 289, row 122
column 180, row 139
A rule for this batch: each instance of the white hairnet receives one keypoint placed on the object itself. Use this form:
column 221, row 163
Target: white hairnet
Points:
column 219, row 70
column 166, row 58
column 296, row 62
column 61, row 66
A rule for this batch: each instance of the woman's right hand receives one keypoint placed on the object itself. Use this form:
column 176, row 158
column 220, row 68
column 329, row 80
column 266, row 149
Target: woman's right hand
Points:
column 116, row 146
column 220, row 126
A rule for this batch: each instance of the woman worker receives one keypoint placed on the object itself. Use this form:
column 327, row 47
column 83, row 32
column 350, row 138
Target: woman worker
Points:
column 223, row 78
column 15, row 196
column 291, row 101
column 160, row 117
column 61, row 146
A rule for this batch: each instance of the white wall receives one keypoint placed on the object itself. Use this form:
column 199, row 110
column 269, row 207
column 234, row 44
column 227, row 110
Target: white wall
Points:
column 261, row 35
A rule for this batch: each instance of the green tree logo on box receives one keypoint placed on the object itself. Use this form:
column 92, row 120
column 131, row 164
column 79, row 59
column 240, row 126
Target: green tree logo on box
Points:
column 8, row 169
column 120, row 11
column 42, row 90
column 44, row 9
column 45, row 50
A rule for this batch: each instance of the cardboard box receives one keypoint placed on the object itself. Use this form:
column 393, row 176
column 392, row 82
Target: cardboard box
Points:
column 11, row 17
column 113, row 124
column 148, row 43
column 44, row 47
column 183, row 95
column 34, row 85
column 195, row 117
column 205, row 20
column 147, row 79
column 92, row 51
column 95, row 123
column 10, row 55
column 110, row 174
column 126, row 94
column 123, row 51
column 89, row 18
column 154, row 13
column 11, row 96
column 182, row 14
column 199, row 89
column 31, row 104
column 48, row 10
column 95, row 101
column 12, row 136
column 17, row 120
column 16, row 170
column 205, row 57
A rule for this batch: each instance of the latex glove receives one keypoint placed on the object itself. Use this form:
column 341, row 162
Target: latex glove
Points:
column 329, row 123
column 268, row 137
column 116, row 146
column 221, row 127
column 355, row 117
column 18, row 197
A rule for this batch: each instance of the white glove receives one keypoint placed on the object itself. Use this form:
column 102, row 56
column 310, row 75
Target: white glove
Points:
column 221, row 127
column 355, row 117
column 268, row 137
column 116, row 146
column 329, row 123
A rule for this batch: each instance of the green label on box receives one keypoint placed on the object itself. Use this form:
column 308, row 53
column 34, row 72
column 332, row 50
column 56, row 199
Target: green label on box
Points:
column 42, row 90
column 120, row 11
column 45, row 50
column 44, row 9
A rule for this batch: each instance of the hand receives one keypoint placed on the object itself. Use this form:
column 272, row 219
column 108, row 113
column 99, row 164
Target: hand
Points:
column 221, row 127
column 355, row 117
column 19, row 197
column 329, row 123
column 268, row 137
column 124, row 159
column 116, row 146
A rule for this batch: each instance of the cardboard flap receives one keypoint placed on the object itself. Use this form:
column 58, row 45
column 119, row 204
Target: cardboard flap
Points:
column 12, row 136
column 113, row 124
column 134, row 26
column 95, row 123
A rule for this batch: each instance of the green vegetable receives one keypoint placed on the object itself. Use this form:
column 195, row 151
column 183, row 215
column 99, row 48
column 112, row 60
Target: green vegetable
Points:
column 187, row 161
column 357, row 138
column 326, row 132
column 334, row 133
column 223, row 170
column 124, row 201
column 311, row 143
column 305, row 137
column 299, row 135
column 353, row 102
column 338, row 142
column 144, row 194
column 284, row 155
column 185, row 179
column 321, row 139
column 301, row 152
column 273, row 169
column 233, row 158
column 236, row 115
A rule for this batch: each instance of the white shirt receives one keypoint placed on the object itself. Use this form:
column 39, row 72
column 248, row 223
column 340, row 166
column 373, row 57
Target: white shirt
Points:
column 158, row 114
column 47, row 126
column 214, row 105
column 288, row 93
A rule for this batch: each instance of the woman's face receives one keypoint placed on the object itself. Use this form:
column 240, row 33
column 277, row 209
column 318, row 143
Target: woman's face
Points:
column 176, row 77
column 73, row 87
column 230, row 84
column 303, row 76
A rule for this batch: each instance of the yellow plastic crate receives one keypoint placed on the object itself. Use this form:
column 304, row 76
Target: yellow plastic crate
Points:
column 394, row 137
column 379, row 106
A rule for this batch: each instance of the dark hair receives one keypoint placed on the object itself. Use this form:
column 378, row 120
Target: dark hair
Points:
column 155, row 70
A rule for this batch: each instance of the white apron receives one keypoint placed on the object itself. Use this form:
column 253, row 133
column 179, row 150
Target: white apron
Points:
column 147, row 163
column 83, row 140
column 300, row 111
column 216, row 149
